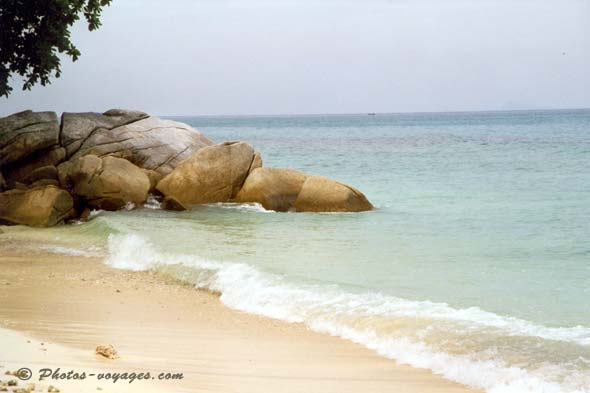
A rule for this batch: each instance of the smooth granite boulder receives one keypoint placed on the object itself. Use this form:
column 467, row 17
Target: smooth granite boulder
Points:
column 107, row 183
column 320, row 194
column 24, row 133
column 274, row 188
column 146, row 141
column 213, row 174
column 40, row 207
column 78, row 127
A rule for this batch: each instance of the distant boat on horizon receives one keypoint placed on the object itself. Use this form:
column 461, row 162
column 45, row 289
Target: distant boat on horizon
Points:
column 371, row 114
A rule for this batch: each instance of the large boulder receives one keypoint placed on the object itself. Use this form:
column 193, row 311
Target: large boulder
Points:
column 20, row 170
column 274, row 188
column 320, row 194
column 107, row 183
column 41, row 207
column 213, row 174
column 283, row 190
column 78, row 127
column 24, row 133
column 146, row 141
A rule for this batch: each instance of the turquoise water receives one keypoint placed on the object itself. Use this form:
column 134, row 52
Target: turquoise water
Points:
column 493, row 205
column 476, row 263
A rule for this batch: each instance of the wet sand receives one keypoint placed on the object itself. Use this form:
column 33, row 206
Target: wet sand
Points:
column 160, row 325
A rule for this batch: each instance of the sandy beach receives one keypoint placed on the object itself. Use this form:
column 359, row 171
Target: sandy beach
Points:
column 295, row 196
column 56, row 309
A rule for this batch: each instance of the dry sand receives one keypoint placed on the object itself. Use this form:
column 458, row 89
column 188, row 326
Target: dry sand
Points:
column 72, row 304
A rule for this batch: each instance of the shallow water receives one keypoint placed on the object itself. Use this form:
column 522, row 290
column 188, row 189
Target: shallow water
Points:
column 476, row 263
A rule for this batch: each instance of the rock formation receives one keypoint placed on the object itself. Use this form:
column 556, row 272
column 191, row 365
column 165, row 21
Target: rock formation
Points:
column 77, row 128
column 274, row 188
column 50, row 173
column 289, row 190
column 19, row 170
column 213, row 174
column 107, row 183
column 320, row 194
column 38, row 207
column 147, row 141
column 24, row 133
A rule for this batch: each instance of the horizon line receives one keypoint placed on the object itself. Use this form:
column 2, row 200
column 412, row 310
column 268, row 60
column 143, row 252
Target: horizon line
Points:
column 378, row 113
column 328, row 114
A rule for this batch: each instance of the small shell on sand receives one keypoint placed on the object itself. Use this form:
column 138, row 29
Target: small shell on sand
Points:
column 108, row 351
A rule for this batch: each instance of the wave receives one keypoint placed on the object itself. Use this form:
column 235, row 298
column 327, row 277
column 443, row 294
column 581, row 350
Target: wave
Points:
column 416, row 333
column 88, row 252
column 243, row 207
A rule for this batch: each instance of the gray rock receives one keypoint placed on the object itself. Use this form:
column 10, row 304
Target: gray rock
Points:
column 148, row 142
column 78, row 127
column 24, row 133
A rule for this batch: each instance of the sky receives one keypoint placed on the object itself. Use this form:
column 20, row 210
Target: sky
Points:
column 200, row 57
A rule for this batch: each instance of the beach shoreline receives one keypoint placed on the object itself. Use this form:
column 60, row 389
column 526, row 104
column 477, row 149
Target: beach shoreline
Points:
column 161, row 325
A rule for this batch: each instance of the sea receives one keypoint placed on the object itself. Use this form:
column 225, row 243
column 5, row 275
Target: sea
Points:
column 475, row 263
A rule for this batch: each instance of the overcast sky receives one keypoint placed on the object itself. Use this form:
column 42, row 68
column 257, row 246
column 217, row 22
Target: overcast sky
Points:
column 181, row 57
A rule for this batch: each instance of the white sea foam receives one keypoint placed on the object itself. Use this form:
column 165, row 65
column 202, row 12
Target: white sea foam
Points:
column 152, row 203
column 349, row 315
column 95, row 213
column 91, row 251
column 245, row 207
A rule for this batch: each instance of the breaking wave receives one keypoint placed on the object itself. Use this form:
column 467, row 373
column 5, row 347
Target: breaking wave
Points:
column 471, row 346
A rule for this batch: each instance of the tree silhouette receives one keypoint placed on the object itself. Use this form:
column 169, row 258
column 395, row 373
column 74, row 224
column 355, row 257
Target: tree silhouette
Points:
column 33, row 32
